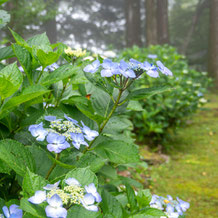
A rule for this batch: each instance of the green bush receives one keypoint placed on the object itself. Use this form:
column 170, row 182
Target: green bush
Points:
column 159, row 115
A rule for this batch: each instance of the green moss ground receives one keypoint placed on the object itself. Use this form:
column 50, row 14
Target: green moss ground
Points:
column 192, row 172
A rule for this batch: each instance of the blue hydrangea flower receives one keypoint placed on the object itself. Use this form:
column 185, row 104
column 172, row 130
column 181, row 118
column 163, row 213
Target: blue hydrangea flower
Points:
column 38, row 197
column 152, row 56
column 71, row 119
column 72, row 181
column 78, row 139
column 52, row 67
column 93, row 67
column 164, row 69
column 21, row 68
column 55, row 208
column 88, row 202
column 57, row 143
column 109, row 68
column 91, row 189
column 134, row 64
column 183, row 205
column 13, row 212
column 50, row 118
column 52, row 186
column 89, row 134
column 150, row 69
column 38, row 131
column 125, row 70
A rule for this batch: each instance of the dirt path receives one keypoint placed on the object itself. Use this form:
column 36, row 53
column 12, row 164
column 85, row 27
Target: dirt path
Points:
column 192, row 172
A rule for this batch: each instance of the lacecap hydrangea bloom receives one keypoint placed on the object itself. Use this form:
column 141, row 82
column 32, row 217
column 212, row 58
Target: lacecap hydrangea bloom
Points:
column 72, row 193
column 62, row 133
column 132, row 69
column 75, row 53
column 172, row 208
column 12, row 212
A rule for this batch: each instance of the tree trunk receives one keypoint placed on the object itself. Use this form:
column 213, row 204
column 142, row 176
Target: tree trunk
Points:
column 162, row 22
column 202, row 4
column 213, row 41
column 133, row 23
column 51, row 24
column 151, row 22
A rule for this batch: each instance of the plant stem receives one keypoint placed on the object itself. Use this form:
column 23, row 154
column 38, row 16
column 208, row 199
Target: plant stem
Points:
column 62, row 92
column 40, row 75
column 53, row 166
column 107, row 119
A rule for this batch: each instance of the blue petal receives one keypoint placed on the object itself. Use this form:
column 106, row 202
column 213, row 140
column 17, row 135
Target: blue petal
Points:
column 38, row 198
column 72, row 181
column 53, row 212
column 55, row 201
column 6, row 211
column 50, row 118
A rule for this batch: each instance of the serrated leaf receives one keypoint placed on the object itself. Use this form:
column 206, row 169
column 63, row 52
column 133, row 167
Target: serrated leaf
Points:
column 47, row 59
column 91, row 160
column 6, row 52
column 134, row 106
column 77, row 211
column 111, row 205
column 19, row 40
column 143, row 198
column 16, row 156
column 59, row 74
column 32, row 183
column 23, row 56
column 14, row 77
column 147, row 92
column 150, row 213
column 38, row 40
column 113, row 150
column 131, row 197
column 84, row 175
column 29, row 93
column 33, row 209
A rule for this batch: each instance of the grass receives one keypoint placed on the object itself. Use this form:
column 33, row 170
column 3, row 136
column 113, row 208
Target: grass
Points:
column 192, row 172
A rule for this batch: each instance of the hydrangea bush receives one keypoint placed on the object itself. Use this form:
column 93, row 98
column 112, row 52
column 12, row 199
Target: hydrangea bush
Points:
column 63, row 133
column 158, row 116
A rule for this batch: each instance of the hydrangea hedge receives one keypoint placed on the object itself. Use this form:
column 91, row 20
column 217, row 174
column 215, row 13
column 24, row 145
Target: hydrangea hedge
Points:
column 62, row 130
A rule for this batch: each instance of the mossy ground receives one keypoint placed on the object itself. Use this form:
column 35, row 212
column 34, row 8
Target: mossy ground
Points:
column 192, row 172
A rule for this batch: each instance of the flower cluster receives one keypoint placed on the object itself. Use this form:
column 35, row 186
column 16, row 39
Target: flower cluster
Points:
column 60, row 199
column 75, row 53
column 60, row 133
column 132, row 69
column 13, row 211
column 172, row 208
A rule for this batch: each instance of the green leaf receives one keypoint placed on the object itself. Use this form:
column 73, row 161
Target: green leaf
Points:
column 4, row 168
column 16, row 156
column 4, row 18
column 84, row 175
column 131, row 197
column 3, row 1
column 29, row 93
column 147, row 92
column 40, row 157
column 88, row 111
column 114, row 151
column 77, row 211
column 32, row 183
column 109, row 172
column 149, row 213
column 59, row 74
column 134, row 106
column 91, row 160
column 14, row 79
column 23, row 56
column 33, row 209
column 39, row 40
column 19, row 40
column 143, row 198
column 47, row 59
column 111, row 205
column 6, row 52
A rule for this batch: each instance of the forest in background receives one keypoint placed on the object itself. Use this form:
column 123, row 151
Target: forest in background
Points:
column 189, row 25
